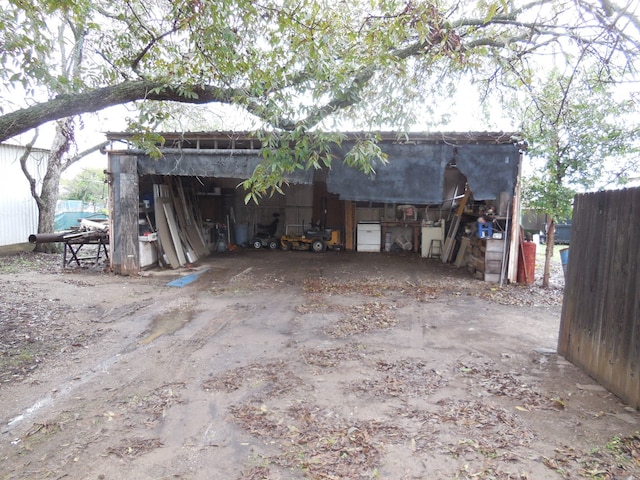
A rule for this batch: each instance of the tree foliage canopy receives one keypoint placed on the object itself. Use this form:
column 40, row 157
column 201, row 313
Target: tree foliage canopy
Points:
column 88, row 185
column 584, row 138
column 294, row 64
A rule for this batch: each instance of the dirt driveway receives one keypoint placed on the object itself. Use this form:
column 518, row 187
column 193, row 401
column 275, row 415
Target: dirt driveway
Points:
column 293, row 365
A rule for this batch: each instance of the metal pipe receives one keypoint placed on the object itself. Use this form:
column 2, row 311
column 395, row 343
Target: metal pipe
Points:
column 47, row 237
column 68, row 236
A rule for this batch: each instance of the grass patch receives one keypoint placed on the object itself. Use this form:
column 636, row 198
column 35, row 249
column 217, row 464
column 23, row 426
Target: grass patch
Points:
column 30, row 262
column 16, row 364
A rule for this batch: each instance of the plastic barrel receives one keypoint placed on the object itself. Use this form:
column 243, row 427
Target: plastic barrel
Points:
column 387, row 242
column 527, row 263
column 564, row 258
column 242, row 233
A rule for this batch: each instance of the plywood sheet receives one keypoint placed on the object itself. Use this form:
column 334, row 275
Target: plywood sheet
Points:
column 166, row 243
column 175, row 235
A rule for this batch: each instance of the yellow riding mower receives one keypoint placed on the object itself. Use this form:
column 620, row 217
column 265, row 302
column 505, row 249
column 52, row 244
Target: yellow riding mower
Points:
column 317, row 240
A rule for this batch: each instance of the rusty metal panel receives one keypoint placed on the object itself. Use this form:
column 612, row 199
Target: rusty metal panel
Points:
column 600, row 325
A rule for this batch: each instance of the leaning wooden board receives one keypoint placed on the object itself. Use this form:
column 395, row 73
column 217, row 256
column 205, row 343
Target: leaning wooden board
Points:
column 175, row 234
column 184, row 214
column 450, row 241
column 166, row 243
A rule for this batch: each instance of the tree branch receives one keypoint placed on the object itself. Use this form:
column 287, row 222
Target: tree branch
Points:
column 154, row 40
column 20, row 121
column 23, row 165
column 445, row 40
column 79, row 156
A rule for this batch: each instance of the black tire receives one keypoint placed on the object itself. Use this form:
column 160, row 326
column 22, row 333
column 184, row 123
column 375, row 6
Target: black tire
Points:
column 318, row 246
column 257, row 244
column 286, row 246
column 273, row 244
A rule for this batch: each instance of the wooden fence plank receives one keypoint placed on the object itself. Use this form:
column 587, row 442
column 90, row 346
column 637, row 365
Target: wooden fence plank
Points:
column 600, row 324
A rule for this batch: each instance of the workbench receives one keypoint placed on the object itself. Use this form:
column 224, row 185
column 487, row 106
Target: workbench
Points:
column 73, row 245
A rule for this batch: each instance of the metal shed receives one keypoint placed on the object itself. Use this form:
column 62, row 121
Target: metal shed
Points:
column 18, row 209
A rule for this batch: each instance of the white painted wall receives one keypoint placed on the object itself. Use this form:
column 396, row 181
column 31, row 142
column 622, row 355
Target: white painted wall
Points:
column 18, row 210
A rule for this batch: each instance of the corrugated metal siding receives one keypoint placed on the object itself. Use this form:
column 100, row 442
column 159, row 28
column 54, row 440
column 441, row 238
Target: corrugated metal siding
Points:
column 600, row 326
column 18, row 210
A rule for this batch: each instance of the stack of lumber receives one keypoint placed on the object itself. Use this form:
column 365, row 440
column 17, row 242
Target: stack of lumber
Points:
column 177, row 224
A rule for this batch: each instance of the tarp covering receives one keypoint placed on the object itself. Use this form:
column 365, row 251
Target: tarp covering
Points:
column 203, row 163
column 415, row 173
column 70, row 212
column 490, row 169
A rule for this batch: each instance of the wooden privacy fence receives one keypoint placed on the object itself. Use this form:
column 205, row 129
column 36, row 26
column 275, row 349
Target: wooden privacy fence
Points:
column 600, row 325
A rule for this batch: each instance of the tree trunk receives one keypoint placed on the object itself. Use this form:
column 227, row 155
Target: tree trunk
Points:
column 48, row 197
column 551, row 233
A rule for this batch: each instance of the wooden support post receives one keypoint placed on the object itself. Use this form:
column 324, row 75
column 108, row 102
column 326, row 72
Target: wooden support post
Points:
column 349, row 225
column 123, row 233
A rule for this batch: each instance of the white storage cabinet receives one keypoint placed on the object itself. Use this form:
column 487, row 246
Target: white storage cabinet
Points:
column 430, row 233
column 368, row 237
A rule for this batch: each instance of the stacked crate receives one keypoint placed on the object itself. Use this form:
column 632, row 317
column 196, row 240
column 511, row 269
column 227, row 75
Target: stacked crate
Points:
column 484, row 258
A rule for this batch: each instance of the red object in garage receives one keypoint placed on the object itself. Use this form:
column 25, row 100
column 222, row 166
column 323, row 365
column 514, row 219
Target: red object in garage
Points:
column 527, row 263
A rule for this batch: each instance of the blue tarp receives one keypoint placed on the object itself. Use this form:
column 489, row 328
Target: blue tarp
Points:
column 186, row 280
column 70, row 212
